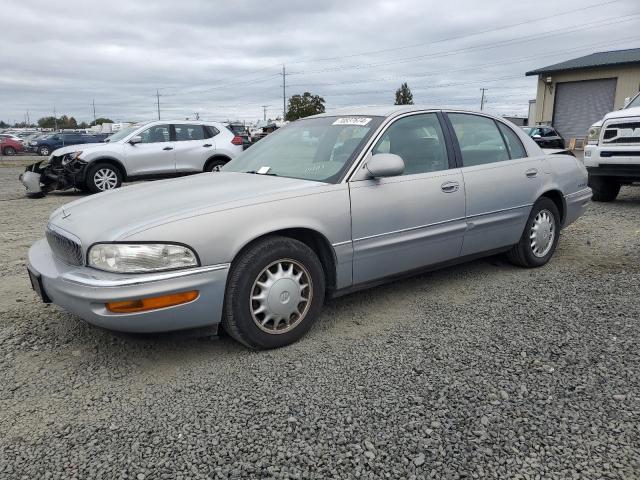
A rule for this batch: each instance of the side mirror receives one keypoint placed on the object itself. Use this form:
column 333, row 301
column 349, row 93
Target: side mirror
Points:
column 537, row 136
column 384, row 165
column 135, row 139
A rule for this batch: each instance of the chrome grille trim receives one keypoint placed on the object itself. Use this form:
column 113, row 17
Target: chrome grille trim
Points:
column 65, row 248
column 621, row 131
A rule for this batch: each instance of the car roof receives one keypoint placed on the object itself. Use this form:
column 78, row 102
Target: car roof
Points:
column 394, row 110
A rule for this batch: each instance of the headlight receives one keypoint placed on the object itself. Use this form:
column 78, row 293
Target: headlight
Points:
column 594, row 135
column 69, row 157
column 140, row 258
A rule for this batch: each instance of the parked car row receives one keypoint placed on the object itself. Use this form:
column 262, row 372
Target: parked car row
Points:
column 45, row 144
column 324, row 206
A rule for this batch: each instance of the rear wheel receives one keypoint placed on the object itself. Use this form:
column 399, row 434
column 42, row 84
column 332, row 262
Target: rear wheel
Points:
column 44, row 151
column 605, row 189
column 214, row 164
column 274, row 293
column 540, row 237
column 9, row 151
column 102, row 177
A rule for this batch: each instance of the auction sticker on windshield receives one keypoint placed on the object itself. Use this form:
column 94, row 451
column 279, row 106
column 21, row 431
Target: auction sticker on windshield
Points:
column 361, row 121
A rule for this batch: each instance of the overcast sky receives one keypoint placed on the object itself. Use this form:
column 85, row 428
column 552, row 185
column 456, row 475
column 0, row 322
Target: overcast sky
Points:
column 224, row 59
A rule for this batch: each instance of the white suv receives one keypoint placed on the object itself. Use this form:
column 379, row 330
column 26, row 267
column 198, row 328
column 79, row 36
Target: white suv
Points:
column 145, row 150
column 612, row 153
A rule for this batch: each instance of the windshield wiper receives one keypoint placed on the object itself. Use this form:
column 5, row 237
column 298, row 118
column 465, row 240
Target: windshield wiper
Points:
column 255, row 172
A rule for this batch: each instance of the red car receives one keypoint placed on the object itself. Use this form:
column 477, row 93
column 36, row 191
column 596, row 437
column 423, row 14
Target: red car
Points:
column 9, row 147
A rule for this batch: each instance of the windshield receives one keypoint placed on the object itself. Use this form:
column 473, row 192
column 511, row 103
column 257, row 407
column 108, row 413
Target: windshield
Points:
column 635, row 102
column 120, row 134
column 318, row 149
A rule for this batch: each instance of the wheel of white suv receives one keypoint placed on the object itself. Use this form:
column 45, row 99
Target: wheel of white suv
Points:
column 274, row 293
column 101, row 177
column 540, row 237
column 604, row 189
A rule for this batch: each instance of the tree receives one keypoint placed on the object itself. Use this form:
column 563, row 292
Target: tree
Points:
column 100, row 121
column 83, row 125
column 304, row 105
column 62, row 122
column 3, row 124
column 404, row 95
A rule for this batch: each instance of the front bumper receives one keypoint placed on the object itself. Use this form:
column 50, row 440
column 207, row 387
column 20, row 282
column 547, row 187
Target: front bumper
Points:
column 31, row 181
column 576, row 205
column 84, row 292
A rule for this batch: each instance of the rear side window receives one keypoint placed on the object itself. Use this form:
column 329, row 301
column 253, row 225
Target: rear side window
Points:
column 210, row 131
column 479, row 139
column 516, row 149
column 189, row 132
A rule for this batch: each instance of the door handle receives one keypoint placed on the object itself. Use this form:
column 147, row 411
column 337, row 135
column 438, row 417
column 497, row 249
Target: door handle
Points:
column 450, row 187
column 207, row 145
column 168, row 148
column 531, row 173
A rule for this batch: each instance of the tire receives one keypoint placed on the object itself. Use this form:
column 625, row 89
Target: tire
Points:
column 211, row 165
column 9, row 151
column 524, row 253
column 242, row 314
column 44, row 151
column 101, row 177
column 604, row 189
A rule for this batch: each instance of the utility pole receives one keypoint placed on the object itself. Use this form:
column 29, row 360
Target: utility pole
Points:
column 264, row 112
column 284, row 93
column 94, row 110
column 482, row 99
column 55, row 119
column 158, row 97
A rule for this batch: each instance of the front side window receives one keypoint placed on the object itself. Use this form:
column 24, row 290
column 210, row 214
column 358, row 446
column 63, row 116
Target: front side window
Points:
column 479, row 139
column 516, row 149
column 419, row 141
column 319, row 149
column 156, row 134
column 189, row 132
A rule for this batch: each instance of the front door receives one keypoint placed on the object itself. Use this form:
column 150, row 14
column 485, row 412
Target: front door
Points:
column 154, row 155
column 415, row 219
column 501, row 182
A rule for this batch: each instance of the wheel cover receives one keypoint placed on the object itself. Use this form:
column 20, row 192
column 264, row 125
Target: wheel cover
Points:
column 281, row 296
column 45, row 151
column 105, row 179
column 543, row 232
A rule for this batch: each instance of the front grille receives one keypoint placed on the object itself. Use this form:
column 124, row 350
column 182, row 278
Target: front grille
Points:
column 66, row 249
column 622, row 132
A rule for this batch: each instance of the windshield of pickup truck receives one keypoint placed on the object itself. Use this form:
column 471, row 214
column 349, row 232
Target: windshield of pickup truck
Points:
column 635, row 102
column 318, row 149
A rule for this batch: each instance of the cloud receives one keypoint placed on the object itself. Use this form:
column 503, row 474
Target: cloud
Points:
column 223, row 60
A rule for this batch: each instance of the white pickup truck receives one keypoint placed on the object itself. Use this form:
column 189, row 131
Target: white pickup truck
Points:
column 612, row 153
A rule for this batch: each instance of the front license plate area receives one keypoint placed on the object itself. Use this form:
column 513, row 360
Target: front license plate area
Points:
column 36, row 284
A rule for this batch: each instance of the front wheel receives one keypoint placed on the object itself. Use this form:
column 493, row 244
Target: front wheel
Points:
column 274, row 293
column 102, row 177
column 604, row 189
column 540, row 237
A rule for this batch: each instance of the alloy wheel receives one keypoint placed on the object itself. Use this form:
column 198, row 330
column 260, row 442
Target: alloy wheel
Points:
column 281, row 296
column 105, row 179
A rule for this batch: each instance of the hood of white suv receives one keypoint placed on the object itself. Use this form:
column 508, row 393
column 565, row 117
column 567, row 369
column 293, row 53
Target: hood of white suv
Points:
column 83, row 147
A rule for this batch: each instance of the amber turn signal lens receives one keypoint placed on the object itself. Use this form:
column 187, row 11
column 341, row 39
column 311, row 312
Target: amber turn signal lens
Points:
column 153, row 303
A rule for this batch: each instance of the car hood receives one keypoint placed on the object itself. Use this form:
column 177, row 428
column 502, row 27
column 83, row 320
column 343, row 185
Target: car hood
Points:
column 625, row 112
column 119, row 213
column 78, row 146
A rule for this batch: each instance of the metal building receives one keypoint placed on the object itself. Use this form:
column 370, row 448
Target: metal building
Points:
column 572, row 95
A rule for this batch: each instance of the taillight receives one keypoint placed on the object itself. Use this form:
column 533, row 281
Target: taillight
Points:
column 237, row 140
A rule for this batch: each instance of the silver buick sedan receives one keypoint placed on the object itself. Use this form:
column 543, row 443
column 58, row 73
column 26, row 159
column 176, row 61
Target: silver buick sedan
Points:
column 322, row 207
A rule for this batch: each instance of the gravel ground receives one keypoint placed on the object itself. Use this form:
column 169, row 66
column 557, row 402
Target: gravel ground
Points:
column 479, row 371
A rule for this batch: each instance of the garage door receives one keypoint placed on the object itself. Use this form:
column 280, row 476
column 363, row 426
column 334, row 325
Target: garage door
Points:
column 578, row 105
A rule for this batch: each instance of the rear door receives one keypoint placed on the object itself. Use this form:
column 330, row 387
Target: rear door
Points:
column 501, row 182
column 194, row 144
column 412, row 220
column 154, row 155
